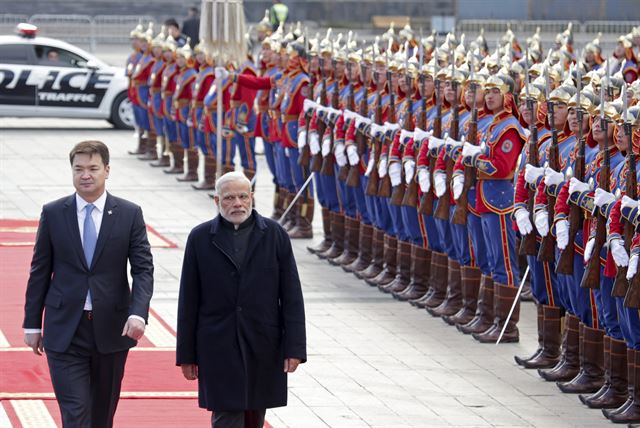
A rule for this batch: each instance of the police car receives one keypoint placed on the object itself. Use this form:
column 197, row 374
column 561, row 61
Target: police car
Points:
column 43, row 77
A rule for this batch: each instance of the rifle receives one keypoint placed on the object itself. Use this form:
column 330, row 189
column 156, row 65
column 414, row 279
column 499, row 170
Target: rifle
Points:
column 305, row 154
column 621, row 284
column 374, row 178
column 462, row 204
column 591, row 277
column 411, row 194
column 316, row 161
column 547, row 251
column 400, row 190
column 444, row 202
column 329, row 160
column 565, row 262
column 384, row 191
column 426, row 202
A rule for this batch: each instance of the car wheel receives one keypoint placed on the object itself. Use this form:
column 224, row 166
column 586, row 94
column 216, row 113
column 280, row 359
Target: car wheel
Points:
column 122, row 112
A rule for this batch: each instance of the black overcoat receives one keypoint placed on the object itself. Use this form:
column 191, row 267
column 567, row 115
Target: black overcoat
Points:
column 239, row 323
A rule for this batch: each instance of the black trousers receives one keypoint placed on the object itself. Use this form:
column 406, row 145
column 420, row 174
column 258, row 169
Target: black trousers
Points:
column 246, row 419
column 86, row 382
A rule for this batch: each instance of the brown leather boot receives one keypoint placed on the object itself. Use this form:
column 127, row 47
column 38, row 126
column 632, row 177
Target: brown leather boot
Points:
column 289, row 220
column 591, row 375
column 176, row 159
column 420, row 266
column 569, row 365
column 550, row 352
column 403, row 270
column 504, row 297
column 304, row 220
column 614, row 392
column 388, row 273
column 162, row 149
column 540, row 324
column 437, row 281
column 377, row 256
column 351, row 239
column 453, row 302
column 325, row 244
column 470, row 287
column 208, row 168
column 142, row 145
column 337, row 236
column 191, row 167
column 629, row 412
column 483, row 318
column 365, row 250
column 151, row 151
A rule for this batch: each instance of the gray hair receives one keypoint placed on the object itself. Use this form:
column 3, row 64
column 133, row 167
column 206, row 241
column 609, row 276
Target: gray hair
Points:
column 229, row 177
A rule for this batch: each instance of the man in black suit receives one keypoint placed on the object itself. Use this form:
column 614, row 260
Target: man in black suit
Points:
column 79, row 273
column 191, row 26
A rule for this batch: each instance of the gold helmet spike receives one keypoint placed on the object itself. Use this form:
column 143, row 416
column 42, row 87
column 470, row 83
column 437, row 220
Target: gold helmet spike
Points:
column 148, row 35
column 158, row 41
column 170, row 44
column 264, row 25
column 406, row 33
column 185, row 50
column 137, row 32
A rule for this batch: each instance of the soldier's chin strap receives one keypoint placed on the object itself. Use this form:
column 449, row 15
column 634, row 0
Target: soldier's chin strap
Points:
column 515, row 301
column 293, row 201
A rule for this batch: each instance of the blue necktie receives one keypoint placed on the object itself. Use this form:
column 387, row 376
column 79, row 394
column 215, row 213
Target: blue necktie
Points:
column 89, row 235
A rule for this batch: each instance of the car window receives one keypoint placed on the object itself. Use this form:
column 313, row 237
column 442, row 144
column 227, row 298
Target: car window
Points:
column 56, row 57
column 14, row 54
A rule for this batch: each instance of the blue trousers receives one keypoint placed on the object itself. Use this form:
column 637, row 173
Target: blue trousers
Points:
column 474, row 227
column 185, row 135
column 171, row 131
column 629, row 323
column 246, row 146
column 269, row 154
column 607, row 307
column 283, row 171
column 501, row 246
column 461, row 241
column 298, row 174
column 432, row 237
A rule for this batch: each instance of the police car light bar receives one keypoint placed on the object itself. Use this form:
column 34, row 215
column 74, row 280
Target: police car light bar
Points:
column 26, row 30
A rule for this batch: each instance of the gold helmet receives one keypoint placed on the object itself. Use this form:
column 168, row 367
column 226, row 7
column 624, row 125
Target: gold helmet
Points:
column 501, row 81
column 138, row 31
column 562, row 94
column 406, row 33
column 535, row 93
column 264, row 25
column 159, row 40
column 148, row 35
column 185, row 51
column 326, row 44
column 170, row 44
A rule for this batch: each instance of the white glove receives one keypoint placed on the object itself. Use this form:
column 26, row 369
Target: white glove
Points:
column 618, row 252
column 362, row 121
column 627, row 202
column 424, row 180
column 562, row 234
column 419, row 135
column 302, row 139
column 352, row 154
column 577, row 186
column 452, row 144
column 341, row 157
column 326, row 146
column 405, row 136
column 314, row 143
column 541, row 219
column 457, row 185
column 552, row 177
column 308, row 105
column 603, row 198
column 633, row 267
column 588, row 249
column 348, row 115
column 370, row 166
column 221, row 73
column 533, row 173
column 395, row 173
column 440, row 182
column 409, row 170
column 435, row 143
column 375, row 131
column 523, row 221
column 382, row 167
column 388, row 126
column 469, row 150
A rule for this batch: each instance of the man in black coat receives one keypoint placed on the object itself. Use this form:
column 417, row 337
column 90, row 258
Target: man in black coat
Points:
column 191, row 26
column 79, row 274
column 241, row 324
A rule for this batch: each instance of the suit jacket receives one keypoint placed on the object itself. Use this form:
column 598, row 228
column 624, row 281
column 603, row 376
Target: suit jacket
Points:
column 239, row 322
column 60, row 278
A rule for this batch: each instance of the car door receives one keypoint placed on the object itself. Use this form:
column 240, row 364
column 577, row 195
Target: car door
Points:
column 17, row 93
column 67, row 87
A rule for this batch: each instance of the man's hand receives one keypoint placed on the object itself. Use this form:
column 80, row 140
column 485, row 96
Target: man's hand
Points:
column 134, row 328
column 541, row 220
column 221, row 73
column 523, row 221
column 34, row 341
column 562, row 234
column 189, row 371
column 290, row 365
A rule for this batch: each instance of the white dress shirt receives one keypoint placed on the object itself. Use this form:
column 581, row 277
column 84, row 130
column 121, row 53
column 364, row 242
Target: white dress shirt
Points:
column 96, row 215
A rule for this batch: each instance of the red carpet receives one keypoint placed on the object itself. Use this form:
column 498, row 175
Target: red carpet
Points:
column 22, row 233
column 154, row 392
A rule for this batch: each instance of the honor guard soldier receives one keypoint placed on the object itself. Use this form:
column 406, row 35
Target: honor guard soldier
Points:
column 168, row 87
column 181, row 111
column 203, row 82
column 155, row 99
column 136, row 35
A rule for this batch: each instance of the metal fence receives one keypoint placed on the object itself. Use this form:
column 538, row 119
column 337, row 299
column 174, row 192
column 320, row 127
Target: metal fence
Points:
column 586, row 27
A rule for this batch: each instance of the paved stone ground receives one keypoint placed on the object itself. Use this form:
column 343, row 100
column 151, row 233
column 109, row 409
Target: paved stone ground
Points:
column 372, row 362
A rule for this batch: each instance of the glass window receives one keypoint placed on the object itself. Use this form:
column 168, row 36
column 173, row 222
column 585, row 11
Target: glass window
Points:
column 52, row 56
column 14, row 54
